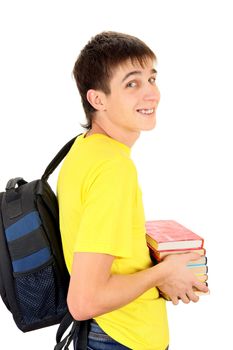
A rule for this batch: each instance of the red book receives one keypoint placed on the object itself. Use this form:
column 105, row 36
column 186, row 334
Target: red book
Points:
column 170, row 235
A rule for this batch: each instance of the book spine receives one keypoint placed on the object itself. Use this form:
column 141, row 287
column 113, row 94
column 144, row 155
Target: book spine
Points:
column 200, row 262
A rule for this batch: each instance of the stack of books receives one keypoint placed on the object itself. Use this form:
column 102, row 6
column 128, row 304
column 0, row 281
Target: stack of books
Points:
column 166, row 237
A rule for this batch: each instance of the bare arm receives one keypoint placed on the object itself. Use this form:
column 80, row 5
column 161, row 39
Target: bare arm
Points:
column 94, row 291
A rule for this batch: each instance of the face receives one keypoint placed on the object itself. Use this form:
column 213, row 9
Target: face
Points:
column 131, row 106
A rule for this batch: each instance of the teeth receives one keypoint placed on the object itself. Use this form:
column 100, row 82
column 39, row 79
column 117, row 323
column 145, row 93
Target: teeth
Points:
column 146, row 111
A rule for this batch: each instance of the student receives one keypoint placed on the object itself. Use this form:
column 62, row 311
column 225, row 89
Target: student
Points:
column 113, row 280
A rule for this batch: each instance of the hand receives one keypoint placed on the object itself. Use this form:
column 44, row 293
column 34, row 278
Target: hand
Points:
column 179, row 280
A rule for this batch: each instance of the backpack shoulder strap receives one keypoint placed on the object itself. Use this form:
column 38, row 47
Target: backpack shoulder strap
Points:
column 58, row 158
column 78, row 332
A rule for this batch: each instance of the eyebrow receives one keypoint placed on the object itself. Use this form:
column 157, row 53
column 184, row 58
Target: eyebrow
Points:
column 153, row 71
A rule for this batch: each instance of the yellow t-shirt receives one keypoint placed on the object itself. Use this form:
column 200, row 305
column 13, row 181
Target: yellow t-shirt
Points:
column 101, row 211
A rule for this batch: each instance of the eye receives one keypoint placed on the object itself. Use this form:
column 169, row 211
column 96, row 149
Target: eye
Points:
column 131, row 84
column 152, row 80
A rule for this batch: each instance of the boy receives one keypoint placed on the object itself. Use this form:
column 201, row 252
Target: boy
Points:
column 113, row 281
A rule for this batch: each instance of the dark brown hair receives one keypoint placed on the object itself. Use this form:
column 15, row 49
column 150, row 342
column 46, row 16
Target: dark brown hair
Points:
column 96, row 62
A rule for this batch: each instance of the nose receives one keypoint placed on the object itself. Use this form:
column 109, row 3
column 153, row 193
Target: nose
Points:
column 152, row 93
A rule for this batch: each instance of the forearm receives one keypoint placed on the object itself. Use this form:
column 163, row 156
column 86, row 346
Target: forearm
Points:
column 94, row 291
column 120, row 290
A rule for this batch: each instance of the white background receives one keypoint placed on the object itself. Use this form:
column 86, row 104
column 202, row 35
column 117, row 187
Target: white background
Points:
column 184, row 165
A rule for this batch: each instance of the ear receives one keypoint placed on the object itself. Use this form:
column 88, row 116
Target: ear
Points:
column 97, row 99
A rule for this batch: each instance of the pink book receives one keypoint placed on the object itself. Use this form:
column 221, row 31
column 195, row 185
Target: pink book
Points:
column 170, row 235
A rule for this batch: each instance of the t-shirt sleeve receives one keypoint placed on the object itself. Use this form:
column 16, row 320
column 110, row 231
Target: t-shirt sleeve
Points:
column 107, row 215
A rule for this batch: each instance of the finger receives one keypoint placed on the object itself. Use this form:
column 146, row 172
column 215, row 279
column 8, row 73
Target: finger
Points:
column 185, row 298
column 190, row 256
column 192, row 296
column 201, row 286
column 186, row 257
column 175, row 301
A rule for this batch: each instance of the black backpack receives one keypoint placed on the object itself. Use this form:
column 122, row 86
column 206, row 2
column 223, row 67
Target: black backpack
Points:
column 33, row 275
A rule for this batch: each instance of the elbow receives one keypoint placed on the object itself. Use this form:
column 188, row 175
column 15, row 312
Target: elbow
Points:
column 81, row 310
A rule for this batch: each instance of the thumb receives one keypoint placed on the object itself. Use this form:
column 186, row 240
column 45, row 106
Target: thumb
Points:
column 191, row 256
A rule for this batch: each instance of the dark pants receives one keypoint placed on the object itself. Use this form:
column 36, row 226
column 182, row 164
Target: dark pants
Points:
column 99, row 340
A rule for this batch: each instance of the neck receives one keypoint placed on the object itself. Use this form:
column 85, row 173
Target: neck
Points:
column 126, row 137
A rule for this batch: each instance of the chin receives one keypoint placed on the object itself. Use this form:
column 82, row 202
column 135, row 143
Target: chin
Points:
column 150, row 126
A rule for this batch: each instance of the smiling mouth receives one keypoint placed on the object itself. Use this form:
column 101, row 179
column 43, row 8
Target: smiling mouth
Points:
column 146, row 111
